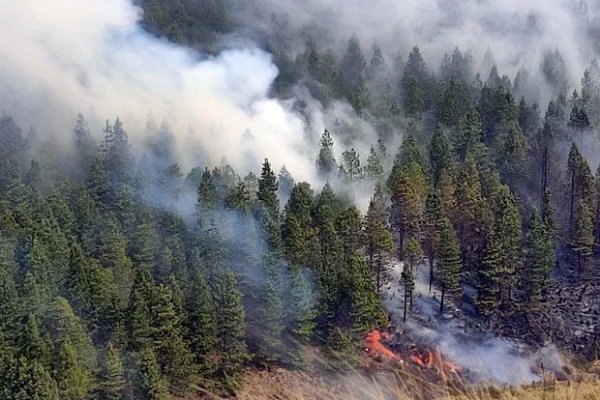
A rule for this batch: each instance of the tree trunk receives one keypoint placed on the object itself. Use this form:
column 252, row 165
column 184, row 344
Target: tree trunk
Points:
column 378, row 275
column 442, row 300
column 401, row 244
column 411, row 300
column 572, row 197
column 430, row 272
column 405, row 301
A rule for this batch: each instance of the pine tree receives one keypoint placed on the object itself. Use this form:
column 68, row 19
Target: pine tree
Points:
column 581, row 237
column 24, row 380
column 171, row 351
column 112, row 374
column 449, row 266
column 200, row 325
column 434, row 211
column 138, row 311
column 366, row 309
column 439, row 155
column 328, row 259
column 230, row 346
column 64, row 325
column 511, row 153
column 374, row 168
column 498, row 272
column 300, row 317
column 34, row 347
column 540, row 259
column 73, row 381
column 326, row 164
column 408, row 279
column 351, row 165
column 379, row 239
column 149, row 383
column 413, row 251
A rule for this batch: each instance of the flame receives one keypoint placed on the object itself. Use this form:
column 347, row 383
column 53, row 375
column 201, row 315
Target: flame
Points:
column 373, row 343
column 427, row 359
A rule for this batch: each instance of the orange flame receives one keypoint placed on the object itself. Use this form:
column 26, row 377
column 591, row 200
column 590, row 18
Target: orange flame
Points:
column 427, row 360
column 373, row 343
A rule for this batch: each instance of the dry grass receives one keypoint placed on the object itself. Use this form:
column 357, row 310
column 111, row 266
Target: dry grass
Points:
column 400, row 385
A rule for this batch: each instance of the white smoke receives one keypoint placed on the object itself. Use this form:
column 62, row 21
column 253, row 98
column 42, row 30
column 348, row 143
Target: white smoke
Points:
column 488, row 359
column 61, row 57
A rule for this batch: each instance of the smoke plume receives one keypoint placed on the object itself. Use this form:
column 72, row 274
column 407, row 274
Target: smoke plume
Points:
column 59, row 58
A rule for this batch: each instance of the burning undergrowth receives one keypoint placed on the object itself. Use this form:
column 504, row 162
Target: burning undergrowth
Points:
column 418, row 355
column 463, row 360
column 452, row 345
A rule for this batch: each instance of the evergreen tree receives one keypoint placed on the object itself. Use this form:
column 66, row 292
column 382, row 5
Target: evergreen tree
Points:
column 439, row 155
column 408, row 279
column 171, row 351
column 200, row 325
column 326, row 164
column 581, row 237
column 497, row 276
column 432, row 216
column 449, row 266
column 230, row 346
column 540, row 259
column 379, row 239
column 112, row 374
column 149, row 383
column 366, row 309
column 374, row 168
column 73, row 381
column 24, row 380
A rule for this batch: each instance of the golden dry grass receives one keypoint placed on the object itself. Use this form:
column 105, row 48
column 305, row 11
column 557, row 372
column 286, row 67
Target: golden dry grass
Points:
column 401, row 385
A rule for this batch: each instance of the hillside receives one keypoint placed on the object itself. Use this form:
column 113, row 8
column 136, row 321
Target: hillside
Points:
column 277, row 200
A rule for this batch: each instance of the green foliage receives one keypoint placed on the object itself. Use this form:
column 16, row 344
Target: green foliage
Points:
column 497, row 276
column 581, row 237
column 112, row 374
column 230, row 346
column 449, row 265
column 326, row 164
column 380, row 244
column 540, row 260
column 149, row 383
column 25, row 380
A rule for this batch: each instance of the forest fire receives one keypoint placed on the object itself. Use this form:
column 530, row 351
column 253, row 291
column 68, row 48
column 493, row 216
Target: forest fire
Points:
column 424, row 358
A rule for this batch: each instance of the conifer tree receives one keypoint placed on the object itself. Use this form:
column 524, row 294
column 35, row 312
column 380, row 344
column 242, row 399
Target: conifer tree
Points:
column 300, row 317
column 413, row 251
column 581, row 237
column 326, row 164
column 112, row 374
column 439, row 155
column 138, row 311
column 200, row 325
column 408, row 279
column 379, row 239
column 449, row 266
column 434, row 211
column 171, row 351
column 33, row 346
column 149, row 383
column 498, row 272
column 366, row 309
column 24, row 380
column 374, row 167
column 230, row 345
column 73, row 381
column 328, row 256
column 540, row 259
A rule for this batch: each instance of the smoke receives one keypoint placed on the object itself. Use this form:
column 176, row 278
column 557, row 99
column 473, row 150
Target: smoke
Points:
column 488, row 359
column 59, row 58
